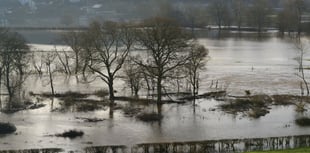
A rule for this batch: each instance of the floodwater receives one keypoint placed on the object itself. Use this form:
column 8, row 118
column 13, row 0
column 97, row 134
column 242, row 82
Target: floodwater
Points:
column 261, row 66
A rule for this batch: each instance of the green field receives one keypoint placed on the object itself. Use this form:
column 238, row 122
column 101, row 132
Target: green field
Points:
column 300, row 150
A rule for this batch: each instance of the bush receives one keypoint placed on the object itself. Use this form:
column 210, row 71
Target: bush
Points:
column 258, row 112
column 304, row 121
column 131, row 111
column 101, row 93
column 150, row 117
column 71, row 134
column 301, row 107
column 7, row 128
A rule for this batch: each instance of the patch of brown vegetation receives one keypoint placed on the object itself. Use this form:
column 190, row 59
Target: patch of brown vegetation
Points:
column 255, row 106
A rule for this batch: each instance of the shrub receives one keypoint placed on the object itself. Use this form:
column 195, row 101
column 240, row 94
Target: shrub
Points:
column 304, row 121
column 7, row 128
column 71, row 134
column 101, row 93
column 131, row 111
column 300, row 107
column 150, row 117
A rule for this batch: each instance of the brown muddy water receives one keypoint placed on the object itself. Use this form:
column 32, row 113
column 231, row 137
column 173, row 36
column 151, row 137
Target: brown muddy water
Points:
column 262, row 66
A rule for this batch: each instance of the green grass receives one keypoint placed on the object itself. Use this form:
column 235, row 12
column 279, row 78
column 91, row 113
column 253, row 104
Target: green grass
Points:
column 300, row 150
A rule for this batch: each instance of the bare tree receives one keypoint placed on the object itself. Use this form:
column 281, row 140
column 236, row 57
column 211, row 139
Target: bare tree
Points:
column 301, row 48
column 13, row 58
column 87, row 50
column 74, row 40
column 164, row 42
column 196, row 62
column 3, row 36
column 49, row 59
column 64, row 59
column 38, row 62
column 133, row 75
column 110, row 48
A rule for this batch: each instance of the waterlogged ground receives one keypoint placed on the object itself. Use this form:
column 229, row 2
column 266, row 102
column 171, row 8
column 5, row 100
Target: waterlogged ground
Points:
column 261, row 66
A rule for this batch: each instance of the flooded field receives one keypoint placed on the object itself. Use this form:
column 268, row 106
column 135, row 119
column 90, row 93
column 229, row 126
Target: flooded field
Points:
column 264, row 66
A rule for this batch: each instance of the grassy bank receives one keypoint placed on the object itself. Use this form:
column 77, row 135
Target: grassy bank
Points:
column 300, row 150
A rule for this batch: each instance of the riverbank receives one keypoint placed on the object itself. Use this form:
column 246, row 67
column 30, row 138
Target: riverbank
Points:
column 299, row 150
column 207, row 146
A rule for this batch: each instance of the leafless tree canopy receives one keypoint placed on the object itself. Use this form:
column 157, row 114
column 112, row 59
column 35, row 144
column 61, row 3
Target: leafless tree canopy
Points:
column 74, row 40
column 13, row 61
column 165, row 43
column 198, row 57
column 109, row 46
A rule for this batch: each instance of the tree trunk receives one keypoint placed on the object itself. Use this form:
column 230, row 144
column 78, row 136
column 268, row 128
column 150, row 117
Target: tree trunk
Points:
column 111, row 112
column 111, row 89
column 136, row 92
column 159, row 94
column 76, row 63
column 0, row 87
column 8, row 87
column 51, row 80
column 194, row 89
column 178, row 86
column 111, row 93
column 305, row 81
column 147, row 85
column 84, row 69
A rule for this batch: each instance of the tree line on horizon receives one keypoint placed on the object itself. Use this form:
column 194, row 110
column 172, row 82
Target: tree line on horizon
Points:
column 285, row 15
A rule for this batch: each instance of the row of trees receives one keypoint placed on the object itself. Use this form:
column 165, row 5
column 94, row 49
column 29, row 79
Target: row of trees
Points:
column 153, row 53
column 156, row 51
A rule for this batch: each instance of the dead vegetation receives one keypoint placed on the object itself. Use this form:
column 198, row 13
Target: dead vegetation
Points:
column 255, row 106
column 82, row 105
column 77, row 101
column 99, row 93
column 90, row 120
column 213, row 94
column 65, row 94
column 148, row 101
